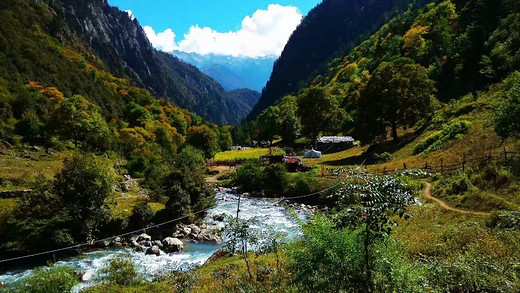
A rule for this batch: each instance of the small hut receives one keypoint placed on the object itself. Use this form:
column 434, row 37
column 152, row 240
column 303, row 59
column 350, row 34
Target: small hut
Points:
column 334, row 144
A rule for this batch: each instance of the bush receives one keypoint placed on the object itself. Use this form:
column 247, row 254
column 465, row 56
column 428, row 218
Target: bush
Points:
column 248, row 177
column 121, row 271
column 274, row 179
column 509, row 220
column 382, row 158
column 142, row 215
column 328, row 259
column 436, row 140
column 54, row 279
column 303, row 184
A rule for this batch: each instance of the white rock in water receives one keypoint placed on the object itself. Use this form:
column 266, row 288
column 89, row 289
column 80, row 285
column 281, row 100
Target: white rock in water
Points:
column 86, row 276
column 173, row 244
column 144, row 237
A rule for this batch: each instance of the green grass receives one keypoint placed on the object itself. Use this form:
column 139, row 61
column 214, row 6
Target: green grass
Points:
column 18, row 168
column 245, row 155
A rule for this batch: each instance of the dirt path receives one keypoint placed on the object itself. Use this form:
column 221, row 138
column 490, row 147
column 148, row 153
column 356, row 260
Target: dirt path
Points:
column 428, row 194
column 220, row 169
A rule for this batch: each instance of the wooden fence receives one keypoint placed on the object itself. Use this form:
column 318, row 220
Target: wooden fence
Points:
column 440, row 166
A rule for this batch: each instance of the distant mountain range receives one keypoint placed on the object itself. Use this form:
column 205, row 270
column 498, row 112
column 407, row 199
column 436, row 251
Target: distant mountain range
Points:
column 232, row 72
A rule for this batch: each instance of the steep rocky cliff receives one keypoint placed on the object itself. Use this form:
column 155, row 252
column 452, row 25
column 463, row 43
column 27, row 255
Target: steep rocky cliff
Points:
column 121, row 43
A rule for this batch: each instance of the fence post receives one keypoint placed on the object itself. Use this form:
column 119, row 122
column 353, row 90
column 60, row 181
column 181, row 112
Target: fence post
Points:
column 463, row 162
column 505, row 154
column 426, row 166
column 442, row 165
column 384, row 170
column 404, row 166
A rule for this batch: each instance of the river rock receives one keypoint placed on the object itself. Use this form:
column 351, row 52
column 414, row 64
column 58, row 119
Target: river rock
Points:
column 158, row 243
column 173, row 244
column 153, row 250
column 186, row 231
column 144, row 237
column 86, row 276
column 102, row 244
column 135, row 244
column 194, row 229
column 219, row 218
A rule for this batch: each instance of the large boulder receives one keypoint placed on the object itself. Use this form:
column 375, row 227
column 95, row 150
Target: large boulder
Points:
column 153, row 250
column 85, row 276
column 172, row 244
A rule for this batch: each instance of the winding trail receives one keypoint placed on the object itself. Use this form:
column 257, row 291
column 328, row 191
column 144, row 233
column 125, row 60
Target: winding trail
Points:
column 428, row 193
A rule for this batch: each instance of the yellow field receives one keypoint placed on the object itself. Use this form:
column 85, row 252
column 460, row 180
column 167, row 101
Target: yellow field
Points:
column 245, row 155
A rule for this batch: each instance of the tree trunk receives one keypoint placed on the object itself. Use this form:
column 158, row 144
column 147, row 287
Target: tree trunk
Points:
column 394, row 132
column 244, row 251
column 368, row 268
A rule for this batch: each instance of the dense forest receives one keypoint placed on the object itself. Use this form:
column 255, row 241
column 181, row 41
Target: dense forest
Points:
column 308, row 51
column 398, row 77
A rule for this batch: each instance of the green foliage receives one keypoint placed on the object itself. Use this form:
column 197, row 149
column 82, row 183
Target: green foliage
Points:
column 509, row 220
column 303, row 184
column 435, row 141
column 332, row 259
column 274, row 179
column 29, row 127
column 248, row 177
column 121, row 271
column 203, row 138
column 508, row 114
column 398, row 94
column 84, row 184
column 54, row 279
column 268, row 124
column 141, row 216
column 319, row 112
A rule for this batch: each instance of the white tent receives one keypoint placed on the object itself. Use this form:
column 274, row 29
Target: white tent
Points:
column 312, row 154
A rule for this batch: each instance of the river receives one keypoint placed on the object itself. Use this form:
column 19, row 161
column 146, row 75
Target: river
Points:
column 266, row 211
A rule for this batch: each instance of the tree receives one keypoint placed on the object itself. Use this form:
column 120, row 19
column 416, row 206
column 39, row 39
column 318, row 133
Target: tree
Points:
column 368, row 203
column 79, row 120
column 268, row 124
column 239, row 235
column 319, row 112
column 203, row 138
column 507, row 121
column 225, row 140
column 29, row 127
column 84, row 184
column 398, row 94
column 290, row 125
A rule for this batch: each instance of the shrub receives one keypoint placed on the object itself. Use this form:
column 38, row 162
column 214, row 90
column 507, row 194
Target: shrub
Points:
column 303, row 184
column 121, row 271
column 274, row 179
column 142, row 215
column 382, row 158
column 54, row 279
column 248, row 177
column 436, row 140
column 505, row 220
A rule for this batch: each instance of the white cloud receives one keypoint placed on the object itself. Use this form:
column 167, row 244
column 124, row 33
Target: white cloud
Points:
column 130, row 14
column 164, row 41
column 263, row 34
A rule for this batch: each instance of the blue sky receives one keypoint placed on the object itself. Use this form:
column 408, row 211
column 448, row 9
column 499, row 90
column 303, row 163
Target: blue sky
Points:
column 222, row 27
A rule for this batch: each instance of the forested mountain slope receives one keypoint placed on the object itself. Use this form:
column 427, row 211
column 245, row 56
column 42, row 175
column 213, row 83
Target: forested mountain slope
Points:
column 121, row 43
column 330, row 30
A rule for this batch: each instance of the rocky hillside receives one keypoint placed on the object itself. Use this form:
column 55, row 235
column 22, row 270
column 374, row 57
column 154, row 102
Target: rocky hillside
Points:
column 121, row 43
column 330, row 30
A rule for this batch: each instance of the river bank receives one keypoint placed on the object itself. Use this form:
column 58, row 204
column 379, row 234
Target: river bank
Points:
column 266, row 211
